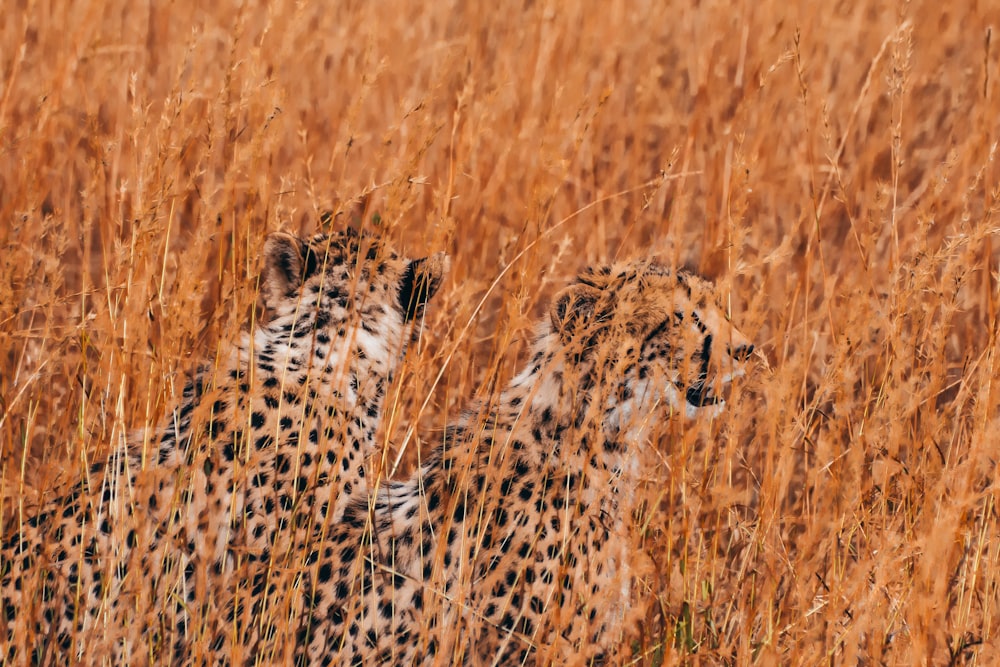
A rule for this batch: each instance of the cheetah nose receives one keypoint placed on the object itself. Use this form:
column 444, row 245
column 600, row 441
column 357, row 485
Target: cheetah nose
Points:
column 741, row 352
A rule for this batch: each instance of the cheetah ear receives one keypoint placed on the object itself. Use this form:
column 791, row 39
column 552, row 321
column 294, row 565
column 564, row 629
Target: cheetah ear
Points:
column 574, row 309
column 421, row 279
column 288, row 262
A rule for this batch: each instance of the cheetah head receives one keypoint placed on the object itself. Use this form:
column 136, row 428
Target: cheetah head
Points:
column 348, row 289
column 663, row 332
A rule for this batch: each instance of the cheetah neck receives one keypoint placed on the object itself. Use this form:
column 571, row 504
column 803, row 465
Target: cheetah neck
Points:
column 556, row 417
column 286, row 426
column 568, row 411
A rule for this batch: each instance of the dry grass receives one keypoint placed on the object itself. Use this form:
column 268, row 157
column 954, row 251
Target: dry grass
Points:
column 832, row 165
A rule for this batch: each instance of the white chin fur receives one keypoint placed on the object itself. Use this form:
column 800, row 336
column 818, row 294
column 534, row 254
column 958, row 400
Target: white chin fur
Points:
column 710, row 411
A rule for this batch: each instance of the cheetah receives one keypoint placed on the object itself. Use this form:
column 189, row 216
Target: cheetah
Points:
column 510, row 544
column 144, row 563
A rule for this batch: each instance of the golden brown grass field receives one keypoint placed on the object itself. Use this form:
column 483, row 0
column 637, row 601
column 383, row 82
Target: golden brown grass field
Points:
column 832, row 166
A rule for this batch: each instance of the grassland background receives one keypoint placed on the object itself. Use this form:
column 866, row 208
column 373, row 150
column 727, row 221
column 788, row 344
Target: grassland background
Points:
column 832, row 164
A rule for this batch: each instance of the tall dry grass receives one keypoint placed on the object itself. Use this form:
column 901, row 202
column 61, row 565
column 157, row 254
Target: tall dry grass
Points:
column 832, row 165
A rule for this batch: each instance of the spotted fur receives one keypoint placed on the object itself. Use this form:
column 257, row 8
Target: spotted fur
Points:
column 153, row 563
column 256, row 537
column 511, row 544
